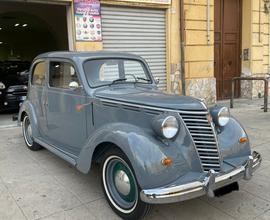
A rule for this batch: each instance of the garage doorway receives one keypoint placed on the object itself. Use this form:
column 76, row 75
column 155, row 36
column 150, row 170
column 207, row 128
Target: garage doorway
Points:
column 26, row 30
column 228, row 25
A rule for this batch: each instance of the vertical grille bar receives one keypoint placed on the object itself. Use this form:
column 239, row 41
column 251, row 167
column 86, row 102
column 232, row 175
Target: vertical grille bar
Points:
column 204, row 138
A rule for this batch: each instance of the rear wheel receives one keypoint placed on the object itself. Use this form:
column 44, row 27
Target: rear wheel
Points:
column 120, row 186
column 28, row 135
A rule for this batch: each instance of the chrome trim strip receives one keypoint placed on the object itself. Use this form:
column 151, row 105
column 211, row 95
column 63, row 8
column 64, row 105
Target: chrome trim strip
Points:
column 209, row 150
column 197, row 127
column 218, row 149
column 196, row 120
column 153, row 108
column 204, row 135
column 204, row 142
column 214, row 158
column 210, row 165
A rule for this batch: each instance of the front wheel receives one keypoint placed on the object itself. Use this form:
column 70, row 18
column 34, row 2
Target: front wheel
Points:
column 120, row 186
column 28, row 135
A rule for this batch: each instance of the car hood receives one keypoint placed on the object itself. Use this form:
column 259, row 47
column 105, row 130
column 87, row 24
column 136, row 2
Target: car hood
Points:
column 150, row 97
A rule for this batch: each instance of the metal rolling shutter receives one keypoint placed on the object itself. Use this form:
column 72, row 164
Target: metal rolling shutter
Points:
column 138, row 31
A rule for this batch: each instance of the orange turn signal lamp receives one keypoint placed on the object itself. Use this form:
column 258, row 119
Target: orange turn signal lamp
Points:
column 79, row 108
column 243, row 140
column 167, row 162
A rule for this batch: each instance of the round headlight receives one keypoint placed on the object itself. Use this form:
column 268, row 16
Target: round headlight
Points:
column 223, row 116
column 169, row 127
column 2, row 85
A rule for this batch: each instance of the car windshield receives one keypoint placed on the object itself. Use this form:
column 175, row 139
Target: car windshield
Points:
column 102, row 72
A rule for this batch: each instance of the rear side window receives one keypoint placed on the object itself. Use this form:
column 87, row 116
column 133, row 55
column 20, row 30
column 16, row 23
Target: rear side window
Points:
column 38, row 77
column 62, row 74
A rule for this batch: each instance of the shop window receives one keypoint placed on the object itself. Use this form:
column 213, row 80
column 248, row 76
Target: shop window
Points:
column 38, row 77
column 62, row 75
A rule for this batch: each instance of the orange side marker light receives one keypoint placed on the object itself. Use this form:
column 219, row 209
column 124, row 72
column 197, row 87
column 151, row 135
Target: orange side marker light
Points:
column 167, row 162
column 243, row 140
column 79, row 108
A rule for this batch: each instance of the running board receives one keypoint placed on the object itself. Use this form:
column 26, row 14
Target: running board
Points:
column 57, row 152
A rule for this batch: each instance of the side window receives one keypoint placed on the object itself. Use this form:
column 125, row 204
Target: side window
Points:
column 38, row 77
column 62, row 74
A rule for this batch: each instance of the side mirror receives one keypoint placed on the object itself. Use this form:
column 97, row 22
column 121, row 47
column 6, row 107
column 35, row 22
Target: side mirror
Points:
column 157, row 80
column 74, row 85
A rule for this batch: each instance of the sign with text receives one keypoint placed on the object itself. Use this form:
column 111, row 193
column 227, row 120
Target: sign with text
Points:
column 87, row 20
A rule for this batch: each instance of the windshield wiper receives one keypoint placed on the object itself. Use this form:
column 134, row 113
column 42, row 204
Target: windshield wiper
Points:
column 118, row 80
column 144, row 79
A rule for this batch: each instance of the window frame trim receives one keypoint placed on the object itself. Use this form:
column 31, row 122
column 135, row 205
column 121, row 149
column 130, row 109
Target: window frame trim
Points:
column 64, row 60
column 33, row 66
column 145, row 67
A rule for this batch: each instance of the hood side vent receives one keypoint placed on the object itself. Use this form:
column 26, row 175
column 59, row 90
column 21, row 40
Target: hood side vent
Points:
column 131, row 108
column 109, row 104
column 152, row 112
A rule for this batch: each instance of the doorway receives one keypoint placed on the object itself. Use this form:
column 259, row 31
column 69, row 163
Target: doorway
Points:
column 26, row 30
column 227, row 48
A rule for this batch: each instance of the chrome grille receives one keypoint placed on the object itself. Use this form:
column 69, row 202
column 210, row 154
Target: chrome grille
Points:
column 204, row 138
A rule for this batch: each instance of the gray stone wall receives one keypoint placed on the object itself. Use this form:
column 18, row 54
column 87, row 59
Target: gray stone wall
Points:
column 203, row 88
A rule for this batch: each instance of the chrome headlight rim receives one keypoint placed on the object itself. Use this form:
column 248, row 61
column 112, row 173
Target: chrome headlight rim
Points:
column 171, row 131
column 223, row 120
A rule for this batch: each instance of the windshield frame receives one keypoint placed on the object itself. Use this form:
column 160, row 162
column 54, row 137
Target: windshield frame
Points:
column 144, row 66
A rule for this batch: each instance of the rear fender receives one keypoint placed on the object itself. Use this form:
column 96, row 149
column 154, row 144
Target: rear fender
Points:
column 28, row 108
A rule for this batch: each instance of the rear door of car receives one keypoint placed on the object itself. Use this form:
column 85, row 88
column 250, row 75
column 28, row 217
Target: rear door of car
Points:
column 66, row 120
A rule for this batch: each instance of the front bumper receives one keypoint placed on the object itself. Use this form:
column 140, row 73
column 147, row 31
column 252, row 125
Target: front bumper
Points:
column 211, row 182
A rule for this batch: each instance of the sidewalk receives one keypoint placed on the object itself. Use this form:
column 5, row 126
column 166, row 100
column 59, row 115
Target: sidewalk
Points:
column 39, row 185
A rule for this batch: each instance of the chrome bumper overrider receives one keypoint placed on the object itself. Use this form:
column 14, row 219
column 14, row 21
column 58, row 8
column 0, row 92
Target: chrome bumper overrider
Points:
column 195, row 189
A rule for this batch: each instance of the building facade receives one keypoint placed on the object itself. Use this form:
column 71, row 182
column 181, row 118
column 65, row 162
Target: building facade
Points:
column 194, row 47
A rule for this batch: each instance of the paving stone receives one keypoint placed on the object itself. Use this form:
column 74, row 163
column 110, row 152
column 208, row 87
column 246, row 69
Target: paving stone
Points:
column 8, row 207
column 241, row 205
column 101, row 210
column 86, row 187
column 264, row 216
column 41, row 196
column 259, row 186
column 77, row 213
column 195, row 209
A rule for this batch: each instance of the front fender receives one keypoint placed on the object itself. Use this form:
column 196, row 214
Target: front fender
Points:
column 231, row 149
column 144, row 151
column 29, row 109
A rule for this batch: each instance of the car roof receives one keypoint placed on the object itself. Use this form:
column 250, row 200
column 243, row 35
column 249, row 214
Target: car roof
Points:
column 87, row 55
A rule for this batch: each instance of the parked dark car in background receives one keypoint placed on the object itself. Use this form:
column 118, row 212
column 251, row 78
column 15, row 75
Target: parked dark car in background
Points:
column 13, row 84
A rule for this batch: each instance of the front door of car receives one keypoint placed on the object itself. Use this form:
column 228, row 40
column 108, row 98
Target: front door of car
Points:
column 37, row 94
column 66, row 122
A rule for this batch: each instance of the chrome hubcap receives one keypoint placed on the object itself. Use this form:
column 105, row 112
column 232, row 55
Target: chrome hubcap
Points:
column 29, row 131
column 122, row 182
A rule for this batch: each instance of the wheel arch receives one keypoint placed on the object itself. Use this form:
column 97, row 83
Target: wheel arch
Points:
column 100, row 150
column 143, row 151
column 28, row 109
column 23, row 114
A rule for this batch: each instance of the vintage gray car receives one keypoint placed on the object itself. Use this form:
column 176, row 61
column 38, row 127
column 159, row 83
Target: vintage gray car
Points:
column 153, row 148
